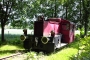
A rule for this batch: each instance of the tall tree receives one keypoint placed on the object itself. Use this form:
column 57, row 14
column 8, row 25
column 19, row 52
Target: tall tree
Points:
column 5, row 9
column 11, row 10
column 86, row 14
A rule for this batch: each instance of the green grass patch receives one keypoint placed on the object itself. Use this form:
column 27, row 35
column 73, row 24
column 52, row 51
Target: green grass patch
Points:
column 64, row 54
column 78, row 50
column 2, row 54
column 11, row 45
column 6, row 50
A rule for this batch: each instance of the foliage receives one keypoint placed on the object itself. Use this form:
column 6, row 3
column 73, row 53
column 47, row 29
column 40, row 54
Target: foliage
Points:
column 84, row 49
column 77, row 37
column 29, row 9
column 25, row 12
column 35, row 56
column 81, row 32
column 48, row 8
column 12, row 40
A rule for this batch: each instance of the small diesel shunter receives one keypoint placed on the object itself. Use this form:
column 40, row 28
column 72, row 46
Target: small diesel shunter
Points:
column 49, row 34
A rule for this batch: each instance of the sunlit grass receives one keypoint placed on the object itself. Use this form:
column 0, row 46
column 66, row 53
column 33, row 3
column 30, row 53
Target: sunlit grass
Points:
column 4, row 54
column 9, row 47
column 78, row 50
column 64, row 54
column 6, row 50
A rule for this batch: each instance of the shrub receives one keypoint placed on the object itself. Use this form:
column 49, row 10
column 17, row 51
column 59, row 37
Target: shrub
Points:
column 12, row 40
column 77, row 37
column 84, row 50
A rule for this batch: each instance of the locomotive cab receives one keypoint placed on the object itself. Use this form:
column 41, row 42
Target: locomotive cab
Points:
column 67, row 29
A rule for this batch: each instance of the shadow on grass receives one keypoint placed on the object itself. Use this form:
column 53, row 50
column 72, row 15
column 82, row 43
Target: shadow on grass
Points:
column 11, row 45
column 9, row 49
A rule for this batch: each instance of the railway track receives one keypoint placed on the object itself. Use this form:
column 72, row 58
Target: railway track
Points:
column 22, row 56
column 11, row 57
column 17, row 54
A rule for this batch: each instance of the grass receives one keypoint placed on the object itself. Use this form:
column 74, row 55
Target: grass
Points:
column 9, row 47
column 12, row 45
column 64, row 54
column 69, row 52
column 6, row 50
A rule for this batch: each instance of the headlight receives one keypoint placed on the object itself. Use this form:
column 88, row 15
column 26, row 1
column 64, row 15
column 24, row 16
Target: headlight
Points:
column 22, row 37
column 44, row 40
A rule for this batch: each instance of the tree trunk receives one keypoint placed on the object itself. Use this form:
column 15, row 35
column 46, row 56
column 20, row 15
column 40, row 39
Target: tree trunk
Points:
column 85, row 16
column 81, row 20
column 2, row 31
column 86, row 23
column 2, row 35
column 86, row 29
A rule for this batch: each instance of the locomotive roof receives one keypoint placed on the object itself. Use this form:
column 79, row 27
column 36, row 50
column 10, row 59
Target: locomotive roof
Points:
column 54, row 19
column 59, row 20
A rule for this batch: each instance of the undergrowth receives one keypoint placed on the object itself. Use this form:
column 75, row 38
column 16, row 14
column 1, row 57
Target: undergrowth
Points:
column 83, row 49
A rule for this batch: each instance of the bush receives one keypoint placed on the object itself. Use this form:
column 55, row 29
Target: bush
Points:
column 77, row 37
column 34, row 56
column 84, row 50
column 12, row 40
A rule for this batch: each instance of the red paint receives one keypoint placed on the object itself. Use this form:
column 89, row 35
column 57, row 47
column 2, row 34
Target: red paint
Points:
column 67, row 29
column 50, row 26
column 58, row 25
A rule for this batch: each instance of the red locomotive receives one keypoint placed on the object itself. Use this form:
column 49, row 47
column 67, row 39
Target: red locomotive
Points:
column 49, row 34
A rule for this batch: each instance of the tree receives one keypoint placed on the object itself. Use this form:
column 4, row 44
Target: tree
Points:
column 18, row 11
column 5, row 9
column 11, row 10
column 86, row 14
